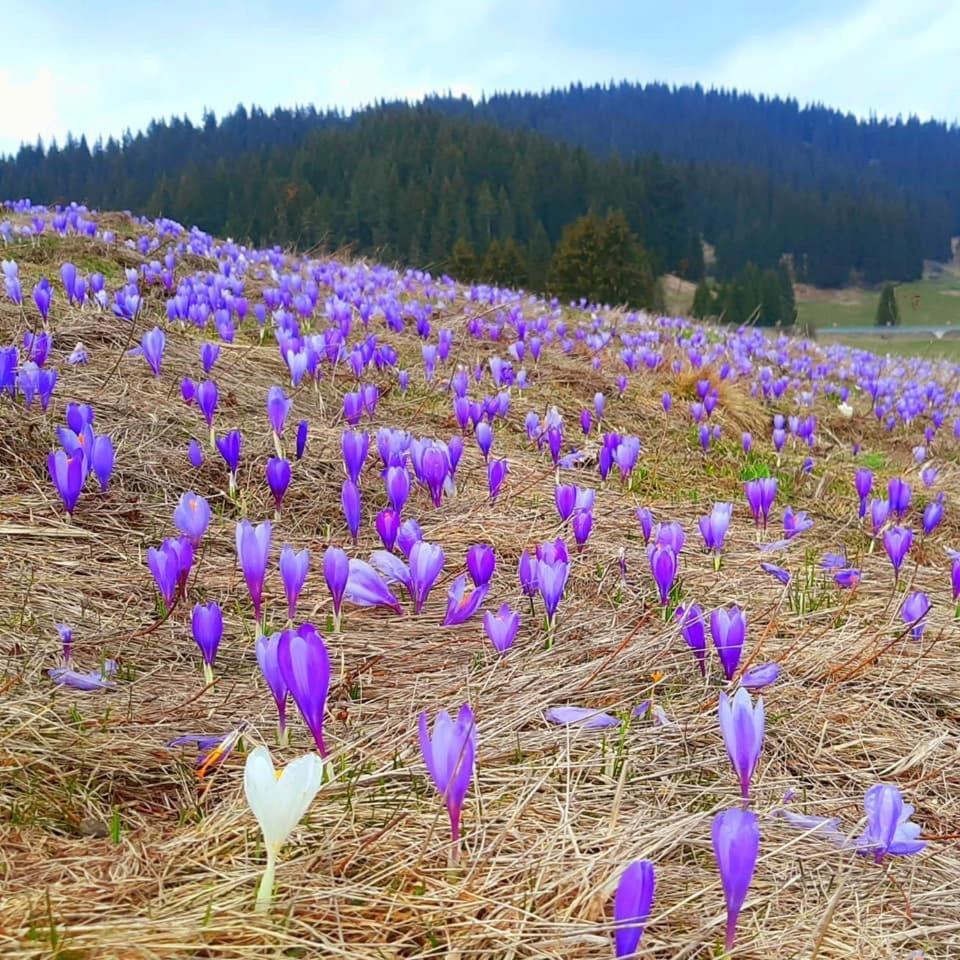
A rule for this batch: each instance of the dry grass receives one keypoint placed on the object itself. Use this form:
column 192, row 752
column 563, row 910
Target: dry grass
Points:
column 111, row 848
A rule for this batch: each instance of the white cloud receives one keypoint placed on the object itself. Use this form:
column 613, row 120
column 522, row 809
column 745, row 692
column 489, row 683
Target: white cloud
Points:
column 29, row 107
column 884, row 57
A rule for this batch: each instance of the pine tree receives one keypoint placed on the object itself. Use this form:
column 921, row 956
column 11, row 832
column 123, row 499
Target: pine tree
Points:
column 603, row 261
column 494, row 264
column 514, row 272
column 463, row 264
column 703, row 301
column 787, row 295
column 888, row 312
column 538, row 257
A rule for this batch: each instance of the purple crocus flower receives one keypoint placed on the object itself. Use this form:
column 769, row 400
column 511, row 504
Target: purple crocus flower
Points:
column 663, row 566
column 501, row 627
column 450, row 757
column 355, row 445
column 408, row 534
column 779, row 573
column 713, row 528
column 484, row 437
column 746, row 442
column 847, row 579
column 67, row 473
column 897, row 541
column 863, row 481
column 152, row 345
column 66, row 639
column 899, row 496
column 933, row 515
column 267, row 650
column 207, row 624
column 195, row 454
column 954, row 556
column 42, row 296
column 889, row 829
column 879, row 511
column 795, row 522
column 397, row 482
column 693, row 631
column 632, row 905
column 585, row 717
column 336, row 572
column 670, row 535
column 728, row 630
column 253, row 553
column 366, row 588
column 192, row 516
column 760, row 496
column 95, row 680
column 293, row 572
column 565, row 498
column 645, row 519
column 102, row 460
column 527, row 572
column 209, row 352
column 736, row 843
column 164, row 563
column 278, row 473
column 305, row 666
column 350, row 502
column 461, row 606
column 278, row 407
column 434, row 468
column 230, row 445
column 79, row 416
column 497, row 471
column 552, row 581
column 207, row 397
column 302, row 429
column 481, row 563
column 388, row 526
column 742, row 726
column 761, row 676
column 582, row 526
column 915, row 608
column 426, row 563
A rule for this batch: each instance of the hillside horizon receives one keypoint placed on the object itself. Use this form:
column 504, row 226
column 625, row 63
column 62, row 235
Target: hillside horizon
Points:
column 759, row 180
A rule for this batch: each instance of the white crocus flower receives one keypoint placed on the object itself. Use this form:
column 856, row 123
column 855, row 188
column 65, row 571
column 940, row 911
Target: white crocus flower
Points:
column 278, row 801
column 845, row 410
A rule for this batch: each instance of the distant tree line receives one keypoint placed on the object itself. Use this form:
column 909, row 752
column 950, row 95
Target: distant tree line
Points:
column 764, row 298
column 411, row 183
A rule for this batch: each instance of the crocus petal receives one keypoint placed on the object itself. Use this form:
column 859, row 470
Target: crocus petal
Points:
column 581, row 716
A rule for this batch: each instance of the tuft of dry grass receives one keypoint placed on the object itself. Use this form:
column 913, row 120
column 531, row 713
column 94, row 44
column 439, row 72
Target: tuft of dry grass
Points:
column 110, row 847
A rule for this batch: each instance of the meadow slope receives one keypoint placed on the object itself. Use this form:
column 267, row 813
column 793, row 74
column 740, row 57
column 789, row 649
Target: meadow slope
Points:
column 111, row 844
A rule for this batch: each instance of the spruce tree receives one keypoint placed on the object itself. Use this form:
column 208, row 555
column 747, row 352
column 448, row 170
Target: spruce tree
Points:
column 463, row 264
column 703, row 301
column 494, row 264
column 888, row 312
column 603, row 261
column 514, row 266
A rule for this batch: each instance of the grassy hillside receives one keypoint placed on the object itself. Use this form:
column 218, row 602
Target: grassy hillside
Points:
column 115, row 846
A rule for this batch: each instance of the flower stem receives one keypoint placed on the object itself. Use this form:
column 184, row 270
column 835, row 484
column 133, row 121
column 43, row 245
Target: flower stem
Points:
column 265, row 890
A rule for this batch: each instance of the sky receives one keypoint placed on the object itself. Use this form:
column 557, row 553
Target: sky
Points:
column 105, row 66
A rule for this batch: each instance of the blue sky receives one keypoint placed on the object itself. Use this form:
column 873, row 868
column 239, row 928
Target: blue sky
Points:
column 106, row 65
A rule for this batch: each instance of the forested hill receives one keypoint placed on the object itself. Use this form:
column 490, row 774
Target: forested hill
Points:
column 803, row 146
column 408, row 182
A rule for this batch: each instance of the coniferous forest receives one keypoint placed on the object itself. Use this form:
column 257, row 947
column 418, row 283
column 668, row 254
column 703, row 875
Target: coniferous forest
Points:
column 487, row 190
